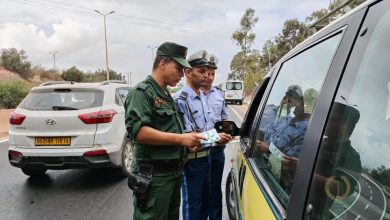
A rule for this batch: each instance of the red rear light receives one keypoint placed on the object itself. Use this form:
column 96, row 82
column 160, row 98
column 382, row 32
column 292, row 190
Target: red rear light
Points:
column 105, row 116
column 16, row 118
column 12, row 155
column 95, row 153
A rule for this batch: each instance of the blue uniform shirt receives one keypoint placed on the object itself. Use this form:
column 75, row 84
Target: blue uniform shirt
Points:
column 288, row 135
column 216, row 101
column 201, row 116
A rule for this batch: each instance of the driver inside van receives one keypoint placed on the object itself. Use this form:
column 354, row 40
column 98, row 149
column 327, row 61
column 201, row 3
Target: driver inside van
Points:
column 286, row 133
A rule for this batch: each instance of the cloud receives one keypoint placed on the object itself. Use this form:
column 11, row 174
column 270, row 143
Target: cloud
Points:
column 76, row 31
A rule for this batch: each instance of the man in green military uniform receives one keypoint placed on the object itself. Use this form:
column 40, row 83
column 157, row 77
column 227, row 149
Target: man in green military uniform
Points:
column 155, row 128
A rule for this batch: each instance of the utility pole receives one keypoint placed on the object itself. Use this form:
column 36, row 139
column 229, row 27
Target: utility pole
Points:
column 54, row 53
column 269, row 61
column 152, row 48
column 105, row 40
column 129, row 79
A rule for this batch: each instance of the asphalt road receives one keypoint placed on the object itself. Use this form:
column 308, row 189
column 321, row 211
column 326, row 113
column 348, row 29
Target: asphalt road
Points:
column 370, row 202
column 70, row 194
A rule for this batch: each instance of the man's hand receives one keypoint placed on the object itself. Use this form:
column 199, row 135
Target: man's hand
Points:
column 262, row 146
column 225, row 138
column 191, row 140
column 290, row 163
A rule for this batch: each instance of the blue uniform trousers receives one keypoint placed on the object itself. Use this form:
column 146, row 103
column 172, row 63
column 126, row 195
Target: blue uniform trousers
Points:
column 195, row 189
column 217, row 162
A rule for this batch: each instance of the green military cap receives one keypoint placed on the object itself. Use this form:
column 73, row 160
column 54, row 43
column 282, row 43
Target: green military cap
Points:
column 175, row 51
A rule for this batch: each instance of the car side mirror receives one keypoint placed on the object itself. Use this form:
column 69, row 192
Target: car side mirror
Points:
column 228, row 127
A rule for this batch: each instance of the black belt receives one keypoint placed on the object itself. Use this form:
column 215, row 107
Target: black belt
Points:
column 164, row 166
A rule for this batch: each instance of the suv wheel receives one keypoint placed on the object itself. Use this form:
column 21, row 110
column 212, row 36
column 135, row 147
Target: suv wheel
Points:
column 230, row 198
column 127, row 154
column 34, row 172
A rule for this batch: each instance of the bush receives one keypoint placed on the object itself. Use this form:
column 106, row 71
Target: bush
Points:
column 73, row 74
column 16, row 61
column 51, row 75
column 12, row 92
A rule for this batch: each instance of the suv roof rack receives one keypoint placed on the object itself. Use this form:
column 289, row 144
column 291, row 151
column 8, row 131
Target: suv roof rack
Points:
column 56, row 82
column 113, row 81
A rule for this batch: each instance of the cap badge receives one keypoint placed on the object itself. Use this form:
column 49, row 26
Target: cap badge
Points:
column 204, row 54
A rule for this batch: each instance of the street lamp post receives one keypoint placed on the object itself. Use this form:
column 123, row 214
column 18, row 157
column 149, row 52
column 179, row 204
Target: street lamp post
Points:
column 152, row 48
column 105, row 40
column 269, row 61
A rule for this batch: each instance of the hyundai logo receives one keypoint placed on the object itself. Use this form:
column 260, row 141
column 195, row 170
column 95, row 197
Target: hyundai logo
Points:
column 50, row 122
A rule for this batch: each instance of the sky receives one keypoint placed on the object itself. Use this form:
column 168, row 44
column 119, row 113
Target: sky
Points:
column 75, row 32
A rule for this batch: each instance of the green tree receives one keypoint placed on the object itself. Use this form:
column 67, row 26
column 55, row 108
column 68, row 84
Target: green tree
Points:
column 15, row 61
column 73, row 74
column 11, row 93
column 244, row 37
column 293, row 33
column 244, row 65
column 101, row 75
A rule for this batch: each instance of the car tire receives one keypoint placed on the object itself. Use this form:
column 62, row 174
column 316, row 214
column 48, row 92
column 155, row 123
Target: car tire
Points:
column 34, row 172
column 126, row 157
column 230, row 198
column 240, row 102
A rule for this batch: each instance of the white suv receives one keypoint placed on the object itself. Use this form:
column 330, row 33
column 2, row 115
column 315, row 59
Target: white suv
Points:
column 66, row 125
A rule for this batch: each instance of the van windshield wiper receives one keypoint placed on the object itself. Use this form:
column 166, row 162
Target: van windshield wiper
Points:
column 63, row 108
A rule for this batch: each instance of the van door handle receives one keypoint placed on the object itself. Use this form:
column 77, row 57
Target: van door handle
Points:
column 309, row 212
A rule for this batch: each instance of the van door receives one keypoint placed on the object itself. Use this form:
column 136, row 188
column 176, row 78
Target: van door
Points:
column 280, row 129
column 351, row 179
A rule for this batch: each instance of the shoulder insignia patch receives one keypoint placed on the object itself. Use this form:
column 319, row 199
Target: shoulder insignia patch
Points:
column 218, row 88
column 183, row 95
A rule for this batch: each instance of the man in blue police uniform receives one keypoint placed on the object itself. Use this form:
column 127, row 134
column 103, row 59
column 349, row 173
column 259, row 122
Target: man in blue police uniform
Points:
column 287, row 132
column 197, row 118
column 215, row 99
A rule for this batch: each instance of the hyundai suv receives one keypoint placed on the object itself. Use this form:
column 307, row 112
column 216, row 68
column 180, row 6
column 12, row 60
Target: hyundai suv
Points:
column 66, row 125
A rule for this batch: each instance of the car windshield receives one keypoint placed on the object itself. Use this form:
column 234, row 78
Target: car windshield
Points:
column 62, row 100
column 234, row 85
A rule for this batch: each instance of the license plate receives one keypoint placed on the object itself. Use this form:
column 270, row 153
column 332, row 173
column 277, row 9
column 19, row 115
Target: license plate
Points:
column 52, row 141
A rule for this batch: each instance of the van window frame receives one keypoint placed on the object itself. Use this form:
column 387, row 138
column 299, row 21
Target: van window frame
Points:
column 348, row 27
column 352, row 66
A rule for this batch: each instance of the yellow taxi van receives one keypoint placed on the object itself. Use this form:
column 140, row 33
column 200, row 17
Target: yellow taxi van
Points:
column 315, row 141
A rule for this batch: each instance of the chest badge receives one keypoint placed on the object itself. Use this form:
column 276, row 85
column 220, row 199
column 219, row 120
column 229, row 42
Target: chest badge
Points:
column 159, row 101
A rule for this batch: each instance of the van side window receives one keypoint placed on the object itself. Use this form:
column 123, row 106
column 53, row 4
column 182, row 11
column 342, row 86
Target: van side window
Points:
column 287, row 113
column 352, row 174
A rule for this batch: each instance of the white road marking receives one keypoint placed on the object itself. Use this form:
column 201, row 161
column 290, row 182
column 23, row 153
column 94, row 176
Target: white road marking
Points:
column 3, row 140
column 370, row 197
column 370, row 191
column 357, row 217
column 383, row 195
column 367, row 206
